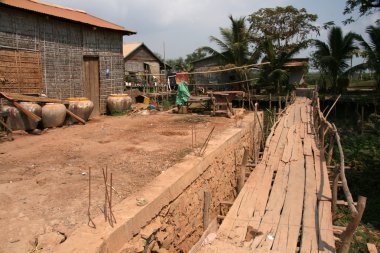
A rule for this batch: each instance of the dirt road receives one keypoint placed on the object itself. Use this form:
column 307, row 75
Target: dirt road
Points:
column 44, row 178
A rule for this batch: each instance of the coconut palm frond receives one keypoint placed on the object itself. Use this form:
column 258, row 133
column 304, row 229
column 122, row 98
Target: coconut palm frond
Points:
column 234, row 43
column 278, row 75
column 333, row 57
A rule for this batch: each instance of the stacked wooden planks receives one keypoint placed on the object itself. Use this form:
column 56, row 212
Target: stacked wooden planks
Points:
column 285, row 205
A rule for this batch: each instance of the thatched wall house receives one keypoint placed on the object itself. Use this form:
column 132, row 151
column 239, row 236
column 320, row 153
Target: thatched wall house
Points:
column 297, row 67
column 142, row 65
column 211, row 63
column 60, row 52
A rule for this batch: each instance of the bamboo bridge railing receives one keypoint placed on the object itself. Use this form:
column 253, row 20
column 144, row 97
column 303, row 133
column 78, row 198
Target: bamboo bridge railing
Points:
column 322, row 129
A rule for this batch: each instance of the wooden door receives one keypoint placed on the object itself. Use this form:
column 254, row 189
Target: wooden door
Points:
column 91, row 82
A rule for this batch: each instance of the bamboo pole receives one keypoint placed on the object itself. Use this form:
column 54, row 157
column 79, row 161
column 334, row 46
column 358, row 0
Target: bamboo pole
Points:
column 336, row 100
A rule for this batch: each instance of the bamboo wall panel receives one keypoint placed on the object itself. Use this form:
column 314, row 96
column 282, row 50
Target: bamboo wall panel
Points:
column 20, row 71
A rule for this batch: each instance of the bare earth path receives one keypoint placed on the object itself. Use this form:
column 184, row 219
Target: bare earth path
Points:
column 44, row 181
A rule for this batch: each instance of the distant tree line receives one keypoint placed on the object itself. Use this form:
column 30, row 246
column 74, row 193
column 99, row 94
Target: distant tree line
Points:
column 275, row 35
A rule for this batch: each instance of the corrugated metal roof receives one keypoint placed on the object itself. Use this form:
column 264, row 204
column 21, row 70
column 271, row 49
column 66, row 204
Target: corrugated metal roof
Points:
column 65, row 13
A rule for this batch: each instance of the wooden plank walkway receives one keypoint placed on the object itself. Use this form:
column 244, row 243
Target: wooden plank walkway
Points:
column 285, row 205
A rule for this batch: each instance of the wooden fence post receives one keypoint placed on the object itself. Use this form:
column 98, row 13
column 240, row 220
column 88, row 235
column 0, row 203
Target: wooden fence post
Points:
column 241, row 172
column 206, row 209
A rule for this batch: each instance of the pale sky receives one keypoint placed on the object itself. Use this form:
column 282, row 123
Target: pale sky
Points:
column 185, row 25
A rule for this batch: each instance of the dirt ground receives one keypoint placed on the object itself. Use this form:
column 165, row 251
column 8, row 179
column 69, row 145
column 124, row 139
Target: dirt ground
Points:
column 44, row 178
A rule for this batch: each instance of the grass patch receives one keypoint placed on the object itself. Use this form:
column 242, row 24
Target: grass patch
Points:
column 364, row 233
column 182, row 153
column 193, row 119
column 120, row 113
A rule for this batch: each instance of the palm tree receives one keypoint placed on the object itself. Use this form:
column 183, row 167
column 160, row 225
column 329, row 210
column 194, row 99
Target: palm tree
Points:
column 234, row 48
column 234, row 45
column 334, row 56
column 371, row 51
column 274, row 71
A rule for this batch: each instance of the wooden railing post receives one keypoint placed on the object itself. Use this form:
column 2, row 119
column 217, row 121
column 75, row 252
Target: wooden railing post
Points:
column 322, row 136
column 241, row 172
column 346, row 190
column 335, row 191
column 321, row 127
column 351, row 227
column 331, row 149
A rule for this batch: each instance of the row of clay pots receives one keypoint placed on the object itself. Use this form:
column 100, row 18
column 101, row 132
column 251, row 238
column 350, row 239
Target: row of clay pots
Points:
column 53, row 115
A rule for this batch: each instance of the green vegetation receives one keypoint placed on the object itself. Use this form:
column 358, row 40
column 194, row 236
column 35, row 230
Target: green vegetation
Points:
column 277, row 34
column 372, row 52
column 120, row 113
column 167, row 104
column 363, row 7
column 289, row 28
column 186, row 65
column 362, row 154
column 234, row 44
column 274, row 72
column 364, row 233
column 332, row 58
column 192, row 119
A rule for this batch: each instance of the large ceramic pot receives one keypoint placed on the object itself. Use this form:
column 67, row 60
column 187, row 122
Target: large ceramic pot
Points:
column 81, row 107
column 119, row 102
column 34, row 108
column 53, row 115
column 17, row 120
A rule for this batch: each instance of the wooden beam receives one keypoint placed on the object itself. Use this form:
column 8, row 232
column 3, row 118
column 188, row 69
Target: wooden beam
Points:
column 30, row 115
column 75, row 116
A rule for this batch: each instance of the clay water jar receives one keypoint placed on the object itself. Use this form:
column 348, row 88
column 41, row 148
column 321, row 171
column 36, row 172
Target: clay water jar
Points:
column 17, row 120
column 53, row 115
column 80, row 106
column 119, row 102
